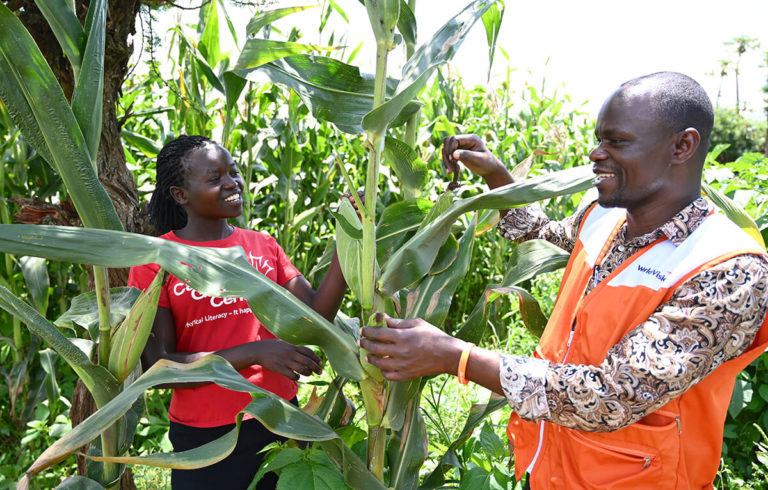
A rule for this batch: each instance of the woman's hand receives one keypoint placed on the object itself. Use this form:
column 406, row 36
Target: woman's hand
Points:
column 410, row 349
column 470, row 150
column 286, row 359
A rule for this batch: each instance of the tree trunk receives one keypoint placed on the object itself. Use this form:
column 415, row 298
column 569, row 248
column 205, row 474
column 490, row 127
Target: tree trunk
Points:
column 113, row 173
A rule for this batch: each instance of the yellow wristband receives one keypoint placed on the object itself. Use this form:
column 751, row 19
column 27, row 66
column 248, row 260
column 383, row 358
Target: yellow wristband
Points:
column 463, row 364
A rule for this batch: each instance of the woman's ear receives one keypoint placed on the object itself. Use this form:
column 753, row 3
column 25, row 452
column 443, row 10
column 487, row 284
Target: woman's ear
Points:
column 686, row 145
column 179, row 194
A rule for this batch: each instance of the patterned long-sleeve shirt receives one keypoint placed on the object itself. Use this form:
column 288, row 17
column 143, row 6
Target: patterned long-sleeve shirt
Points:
column 711, row 318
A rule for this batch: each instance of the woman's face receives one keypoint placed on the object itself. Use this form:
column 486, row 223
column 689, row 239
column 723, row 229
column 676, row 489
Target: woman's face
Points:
column 213, row 188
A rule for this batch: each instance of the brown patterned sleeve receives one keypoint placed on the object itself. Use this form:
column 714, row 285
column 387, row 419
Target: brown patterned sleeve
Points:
column 530, row 222
column 711, row 318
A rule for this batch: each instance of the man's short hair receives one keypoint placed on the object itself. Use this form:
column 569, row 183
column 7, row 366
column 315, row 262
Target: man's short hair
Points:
column 679, row 101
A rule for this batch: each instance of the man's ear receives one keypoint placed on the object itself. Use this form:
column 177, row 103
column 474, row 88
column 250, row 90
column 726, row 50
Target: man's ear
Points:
column 179, row 194
column 687, row 143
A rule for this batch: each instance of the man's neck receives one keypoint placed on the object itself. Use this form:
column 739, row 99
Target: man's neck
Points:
column 651, row 217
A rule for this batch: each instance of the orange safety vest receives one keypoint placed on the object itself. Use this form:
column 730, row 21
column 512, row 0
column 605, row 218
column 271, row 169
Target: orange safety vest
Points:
column 676, row 446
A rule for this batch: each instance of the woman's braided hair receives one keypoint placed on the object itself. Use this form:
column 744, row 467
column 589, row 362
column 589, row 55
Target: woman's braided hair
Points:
column 164, row 212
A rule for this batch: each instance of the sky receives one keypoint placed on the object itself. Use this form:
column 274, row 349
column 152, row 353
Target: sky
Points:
column 583, row 48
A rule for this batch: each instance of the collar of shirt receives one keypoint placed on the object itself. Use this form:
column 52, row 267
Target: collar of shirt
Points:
column 677, row 229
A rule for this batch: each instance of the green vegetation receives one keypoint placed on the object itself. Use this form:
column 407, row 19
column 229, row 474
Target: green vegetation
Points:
column 304, row 126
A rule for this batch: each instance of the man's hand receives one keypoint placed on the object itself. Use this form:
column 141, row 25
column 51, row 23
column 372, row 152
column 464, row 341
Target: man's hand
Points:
column 472, row 152
column 410, row 349
column 287, row 359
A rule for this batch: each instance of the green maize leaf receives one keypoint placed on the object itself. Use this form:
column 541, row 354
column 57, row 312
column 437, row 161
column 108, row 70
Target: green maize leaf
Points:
column 213, row 272
column 487, row 219
column 445, row 256
column 266, row 18
column 48, row 362
column 233, row 87
column 131, row 336
column 492, row 22
column 526, row 261
column 78, row 482
column 36, row 276
column 414, row 259
column 84, row 310
column 88, row 97
column 276, row 414
column 257, row 52
column 208, row 73
column 419, row 67
column 383, row 15
column 379, row 119
column 410, row 170
column 735, row 213
column 533, row 318
column 37, row 106
column 67, row 29
column 396, row 222
column 334, row 403
column 431, row 299
column 349, row 249
column 408, row 449
column 406, row 24
column 351, row 226
column 355, row 472
column 399, row 395
column 443, row 203
column 334, row 91
column 477, row 413
column 209, row 40
column 102, row 385
column 147, row 146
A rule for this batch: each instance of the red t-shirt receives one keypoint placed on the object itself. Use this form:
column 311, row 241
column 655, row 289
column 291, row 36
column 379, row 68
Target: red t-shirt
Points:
column 205, row 323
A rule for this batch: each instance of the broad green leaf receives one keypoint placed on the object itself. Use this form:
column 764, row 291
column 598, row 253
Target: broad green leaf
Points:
column 418, row 68
column 414, row 259
column 67, row 29
column 278, row 415
column 477, row 413
column 478, row 478
column 334, row 91
column 411, row 450
column 257, row 52
column 84, row 311
column 406, row 24
column 313, row 472
column 441, row 206
column 431, row 298
column 492, row 22
column 533, row 318
column 735, row 213
column 36, row 276
column 209, row 40
column 334, row 404
column 88, row 96
column 445, row 256
column 356, row 474
column 276, row 460
column 48, row 363
column 492, row 443
column 349, row 248
column 742, row 395
column 410, row 170
column 102, row 385
column 131, row 336
column 211, row 271
column 233, row 87
column 383, row 15
column 38, row 107
column 78, row 482
column 396, row 222
column 208, row 73
column 526, row 261
column 399, row 395
column 263, row 19
column 147, row 146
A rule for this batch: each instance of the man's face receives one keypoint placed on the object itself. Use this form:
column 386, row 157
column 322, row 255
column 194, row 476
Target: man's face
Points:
column 632, row 159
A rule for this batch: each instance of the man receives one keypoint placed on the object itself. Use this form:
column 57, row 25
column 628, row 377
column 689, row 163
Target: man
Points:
column 662, row 303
